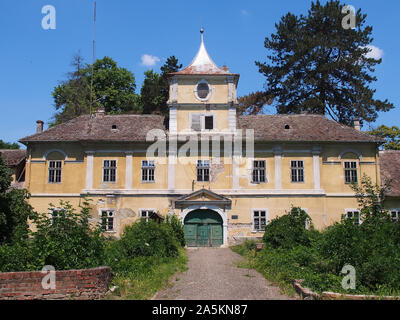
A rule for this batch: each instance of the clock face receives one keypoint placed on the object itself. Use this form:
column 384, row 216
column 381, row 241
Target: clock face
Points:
column 202, row 90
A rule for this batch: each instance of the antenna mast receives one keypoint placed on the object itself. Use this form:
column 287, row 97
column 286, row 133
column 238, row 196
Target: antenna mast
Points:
column 93, row 56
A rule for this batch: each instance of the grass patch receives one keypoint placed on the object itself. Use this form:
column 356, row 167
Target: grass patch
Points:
column 252, row 261
column 143, row 283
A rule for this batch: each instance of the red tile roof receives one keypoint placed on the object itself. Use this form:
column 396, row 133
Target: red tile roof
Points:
column 100, row 128
column 13, row 157
column 301, row 127
column 131, row 128
column 390, row 171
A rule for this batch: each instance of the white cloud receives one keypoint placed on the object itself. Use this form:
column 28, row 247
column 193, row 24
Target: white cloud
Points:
column 149, row 60
column 374, row 53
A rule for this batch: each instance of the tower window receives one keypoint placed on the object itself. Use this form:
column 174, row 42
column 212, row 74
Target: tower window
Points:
column 209, row 122
column 202, row 90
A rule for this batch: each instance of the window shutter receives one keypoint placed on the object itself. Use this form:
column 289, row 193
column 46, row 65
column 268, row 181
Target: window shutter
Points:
column 195, row 125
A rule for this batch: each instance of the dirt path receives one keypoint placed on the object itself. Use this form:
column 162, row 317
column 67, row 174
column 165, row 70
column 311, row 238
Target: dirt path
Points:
column 213, row 275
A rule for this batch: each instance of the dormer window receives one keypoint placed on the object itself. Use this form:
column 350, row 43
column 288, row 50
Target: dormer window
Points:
column 202, row 90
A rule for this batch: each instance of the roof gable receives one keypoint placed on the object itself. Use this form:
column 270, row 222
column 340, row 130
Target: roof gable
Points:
column 202, row 196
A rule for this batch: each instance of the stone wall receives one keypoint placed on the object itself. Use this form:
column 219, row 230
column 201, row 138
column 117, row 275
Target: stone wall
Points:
column 82, row 284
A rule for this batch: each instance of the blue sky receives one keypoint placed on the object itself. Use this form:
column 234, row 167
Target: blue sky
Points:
column 33, row 60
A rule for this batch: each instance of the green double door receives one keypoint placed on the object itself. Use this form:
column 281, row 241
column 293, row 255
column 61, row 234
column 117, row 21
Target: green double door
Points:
column 203, row 228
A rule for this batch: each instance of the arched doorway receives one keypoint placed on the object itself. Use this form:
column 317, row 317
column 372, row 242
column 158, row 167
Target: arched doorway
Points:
column 203, row 228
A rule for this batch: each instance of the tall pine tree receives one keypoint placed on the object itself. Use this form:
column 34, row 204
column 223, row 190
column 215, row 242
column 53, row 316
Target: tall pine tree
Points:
column 318, row 66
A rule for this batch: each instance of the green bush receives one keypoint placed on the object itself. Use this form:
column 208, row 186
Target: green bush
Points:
column 17, row 257
column 149, row 238
column 14, row 209
column 289, row 230
column 65, row 242
column 68, row 241
column 177, row 228
column 372, row 248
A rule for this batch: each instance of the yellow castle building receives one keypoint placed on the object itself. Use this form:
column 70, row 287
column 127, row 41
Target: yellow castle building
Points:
column 224, row 175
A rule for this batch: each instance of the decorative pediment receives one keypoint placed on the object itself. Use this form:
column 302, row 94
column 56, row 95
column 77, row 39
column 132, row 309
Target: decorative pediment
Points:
column 202, row 196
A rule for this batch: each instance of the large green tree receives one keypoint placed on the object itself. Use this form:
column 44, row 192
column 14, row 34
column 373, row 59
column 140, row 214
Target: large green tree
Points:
column 318, row 66
column 14, row 210
column 155, row 88
column 8, row 145
column 113, row 89
column 390, row 134
column 254, row 103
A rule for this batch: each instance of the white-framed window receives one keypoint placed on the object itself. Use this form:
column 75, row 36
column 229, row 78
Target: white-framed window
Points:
column 147, row 213
column 109, row 170
column 353, row 214
column 297, row 170
column 107, row 220
column 203, row 170
column 307, row 224
column 350, row 171
column 55, row 213
column 395, row 214
column 260, row 219
column 148, row 169
column 55, row 167
column 201, row 122
column 202, row 90
column 258, row 171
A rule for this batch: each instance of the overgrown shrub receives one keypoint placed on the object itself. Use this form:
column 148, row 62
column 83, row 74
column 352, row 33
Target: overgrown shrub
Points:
column 65, row 242
column 14, row 209
column 177, row 228
column 289, row 230
column 372, row 248
column 149, row 238
column 143, row 246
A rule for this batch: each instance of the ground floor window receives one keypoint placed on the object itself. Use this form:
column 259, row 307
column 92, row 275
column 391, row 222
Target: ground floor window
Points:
column 107, row 220
column 395, row 213
column 259, row 220
column 55, row 213
column 146, row 214
column 353, row 214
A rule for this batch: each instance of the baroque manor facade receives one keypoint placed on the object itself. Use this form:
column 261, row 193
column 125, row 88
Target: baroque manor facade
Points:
column 227, row 193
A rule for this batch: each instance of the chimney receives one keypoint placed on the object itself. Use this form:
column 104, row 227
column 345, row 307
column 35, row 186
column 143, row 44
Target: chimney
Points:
column 225, row 68
column 99, row 113
column 357, row 124
column 39, row 126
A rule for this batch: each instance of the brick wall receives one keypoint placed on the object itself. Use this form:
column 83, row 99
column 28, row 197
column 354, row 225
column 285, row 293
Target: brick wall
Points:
column 70, row 284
